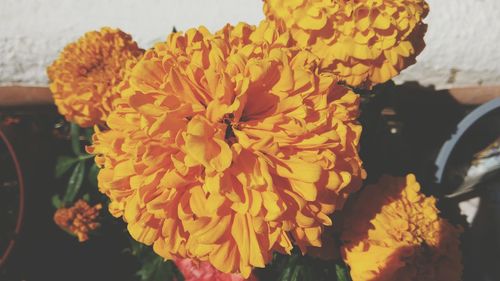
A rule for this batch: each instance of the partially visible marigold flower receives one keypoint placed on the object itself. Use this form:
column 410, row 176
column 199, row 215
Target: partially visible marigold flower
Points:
column 393, row 232
column 204, row 271
column 226, row 147
column 79, row 219
column 83, row 76
column 362, row 41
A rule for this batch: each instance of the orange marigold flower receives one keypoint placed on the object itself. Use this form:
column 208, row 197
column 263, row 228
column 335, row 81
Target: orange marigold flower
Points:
column 83, row 76
column 226, row 147
column 79, row 219
column 204, row 271
column 393, row 232
column 361, row 41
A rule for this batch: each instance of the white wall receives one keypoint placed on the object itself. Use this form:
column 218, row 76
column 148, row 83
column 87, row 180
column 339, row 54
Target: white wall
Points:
column 463, row 41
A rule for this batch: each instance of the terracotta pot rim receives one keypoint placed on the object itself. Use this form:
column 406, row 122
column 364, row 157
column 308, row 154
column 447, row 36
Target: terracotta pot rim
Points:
column 20, row 214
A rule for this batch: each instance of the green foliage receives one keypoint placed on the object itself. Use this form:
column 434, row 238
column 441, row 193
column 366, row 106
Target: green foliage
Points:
column 88, row 134
column 86, row 197
column 77, row 163
column 299, row 273
column 92, row 176
column 158, row 270
column 342, row 272
column 63, row 164
column 75, row 182
column 75, row 139
column 298, row 267
column 153, row 267
column 291, row 264
column 56, row 201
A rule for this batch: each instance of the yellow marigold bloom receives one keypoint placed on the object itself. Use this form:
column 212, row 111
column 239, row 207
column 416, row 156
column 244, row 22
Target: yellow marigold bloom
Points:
column 393, row 232
column 79, row 219
column 364, row 42
column 226, row 147
column 84, row 75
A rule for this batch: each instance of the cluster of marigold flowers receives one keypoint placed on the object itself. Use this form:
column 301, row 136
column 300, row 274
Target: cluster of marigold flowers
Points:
column 226, row 147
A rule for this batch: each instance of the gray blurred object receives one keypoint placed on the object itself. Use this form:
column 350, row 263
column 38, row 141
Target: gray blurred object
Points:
column 484, row 171
column 468, row 169
column 471, row 150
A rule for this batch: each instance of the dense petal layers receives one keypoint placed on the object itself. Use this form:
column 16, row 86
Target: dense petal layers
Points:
column 393, row 232
column 79, row 219
column 84, row 75
column 226, row 147
column 364, row 42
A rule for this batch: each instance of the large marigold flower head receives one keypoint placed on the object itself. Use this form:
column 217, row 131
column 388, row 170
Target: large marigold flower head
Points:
column 394, row 232
column 226, row 147
column 364, row 42
column 79, row 219
column 86, row 71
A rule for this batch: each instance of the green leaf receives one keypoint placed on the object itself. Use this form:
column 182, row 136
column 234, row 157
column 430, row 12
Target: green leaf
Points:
column 136, row 248
column 56, row 201
column 92, row 176
column 177, row 273
column 312, row 274
column 289, row 270
column 75, row 139
column 286, row 274
column 154, row 268
column 296, row 273
column 88, row 133
column 342, row 273
column 63, row 164
column 86, row 197
column 85, row 156
column 75, row 182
